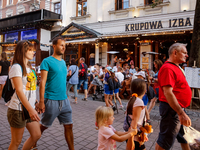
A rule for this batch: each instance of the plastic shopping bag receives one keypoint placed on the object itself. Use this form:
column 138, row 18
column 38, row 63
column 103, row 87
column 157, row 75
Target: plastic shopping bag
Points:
column 192, row 136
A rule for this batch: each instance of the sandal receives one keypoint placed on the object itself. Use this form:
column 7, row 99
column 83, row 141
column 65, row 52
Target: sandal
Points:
column 84, row 99
column 74, row 102
column 34, row 147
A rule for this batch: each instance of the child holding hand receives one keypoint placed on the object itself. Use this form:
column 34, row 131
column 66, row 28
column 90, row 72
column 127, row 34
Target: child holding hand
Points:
column 107, row 135
column 135, row 117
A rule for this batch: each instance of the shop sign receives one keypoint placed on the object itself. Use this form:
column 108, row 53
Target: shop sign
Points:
column 180, row 22
column 145, row 43
column 29, row 34
column 11, row 37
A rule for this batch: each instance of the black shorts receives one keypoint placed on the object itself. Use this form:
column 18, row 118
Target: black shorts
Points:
column 138, row 146
column 170, row 127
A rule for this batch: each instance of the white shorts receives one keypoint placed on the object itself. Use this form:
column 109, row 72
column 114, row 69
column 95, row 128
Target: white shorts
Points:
column 3, row 79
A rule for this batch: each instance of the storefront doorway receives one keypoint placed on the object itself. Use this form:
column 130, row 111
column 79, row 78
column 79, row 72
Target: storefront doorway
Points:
column 71, row 52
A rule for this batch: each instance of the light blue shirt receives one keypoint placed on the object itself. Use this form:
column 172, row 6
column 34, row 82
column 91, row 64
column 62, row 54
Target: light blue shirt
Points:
column 132, row 71
column 74, row 78
column 55, row 88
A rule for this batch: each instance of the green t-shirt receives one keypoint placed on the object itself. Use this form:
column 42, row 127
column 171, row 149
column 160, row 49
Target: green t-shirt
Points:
column 55, row 88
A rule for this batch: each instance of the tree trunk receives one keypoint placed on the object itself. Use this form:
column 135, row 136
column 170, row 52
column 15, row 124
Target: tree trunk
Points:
column 195, row 48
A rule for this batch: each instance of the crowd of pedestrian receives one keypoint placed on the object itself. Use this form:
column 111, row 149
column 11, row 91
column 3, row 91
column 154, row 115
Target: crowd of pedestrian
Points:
column 170, row 88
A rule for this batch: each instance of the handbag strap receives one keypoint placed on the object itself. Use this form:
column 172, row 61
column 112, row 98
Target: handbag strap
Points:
column 73, row 72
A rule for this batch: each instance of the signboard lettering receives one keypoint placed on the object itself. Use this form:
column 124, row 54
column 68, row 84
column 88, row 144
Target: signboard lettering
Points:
column 180, row 22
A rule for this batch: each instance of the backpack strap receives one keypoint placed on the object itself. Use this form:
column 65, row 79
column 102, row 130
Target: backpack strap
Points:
column 82, row 66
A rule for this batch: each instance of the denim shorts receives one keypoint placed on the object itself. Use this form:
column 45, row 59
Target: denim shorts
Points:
column 170, row 127
column 56, row 108
column 108, row 91
column 116, row 91
column 85, row 84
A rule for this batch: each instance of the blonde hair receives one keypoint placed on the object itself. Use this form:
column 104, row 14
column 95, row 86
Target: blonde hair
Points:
column 102, row 114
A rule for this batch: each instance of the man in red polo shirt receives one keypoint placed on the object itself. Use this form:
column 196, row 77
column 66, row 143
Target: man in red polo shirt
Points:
column 174, row 95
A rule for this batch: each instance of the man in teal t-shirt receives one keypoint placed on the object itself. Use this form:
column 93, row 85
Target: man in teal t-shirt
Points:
column 53, row 99
column 55, row 88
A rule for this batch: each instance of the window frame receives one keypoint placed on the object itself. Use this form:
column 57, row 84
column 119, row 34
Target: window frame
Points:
column 8, row 2
column 80, row 2
column 122, row 1
column 57, row 8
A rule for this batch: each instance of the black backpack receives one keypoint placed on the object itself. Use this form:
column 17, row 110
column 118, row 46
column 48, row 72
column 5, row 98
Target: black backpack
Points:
column 8, row 90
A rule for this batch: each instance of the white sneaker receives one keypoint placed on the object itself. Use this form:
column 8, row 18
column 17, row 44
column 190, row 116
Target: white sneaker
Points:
column 121, row 107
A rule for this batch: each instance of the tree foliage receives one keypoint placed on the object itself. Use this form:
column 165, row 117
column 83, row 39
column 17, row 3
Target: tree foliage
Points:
column 156, row 2
column 195, row 47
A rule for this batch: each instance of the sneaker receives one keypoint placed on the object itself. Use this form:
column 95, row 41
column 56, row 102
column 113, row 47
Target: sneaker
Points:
column 121, row 107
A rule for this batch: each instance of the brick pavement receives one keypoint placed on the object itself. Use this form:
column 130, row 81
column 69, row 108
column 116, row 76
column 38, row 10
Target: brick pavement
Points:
column 85, row 134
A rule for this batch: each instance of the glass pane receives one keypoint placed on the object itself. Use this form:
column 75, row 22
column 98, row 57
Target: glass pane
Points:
column 126, row 4
column 79, row 9
column 149, row 1
column 74, row 56
column 67, row 59
column 119, row 4
column 84, row 8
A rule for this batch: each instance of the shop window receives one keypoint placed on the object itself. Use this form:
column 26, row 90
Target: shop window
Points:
column 81, row 7
column 148, row 2
column 121, row 4
column 57, row 8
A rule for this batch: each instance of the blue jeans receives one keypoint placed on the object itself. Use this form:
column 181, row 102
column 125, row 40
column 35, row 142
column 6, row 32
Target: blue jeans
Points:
column 75, row 89
column 85, row 84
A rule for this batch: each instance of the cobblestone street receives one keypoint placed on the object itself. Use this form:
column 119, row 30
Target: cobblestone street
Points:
column 85, row 134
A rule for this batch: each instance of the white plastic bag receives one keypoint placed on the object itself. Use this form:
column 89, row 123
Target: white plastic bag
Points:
column 192, row 136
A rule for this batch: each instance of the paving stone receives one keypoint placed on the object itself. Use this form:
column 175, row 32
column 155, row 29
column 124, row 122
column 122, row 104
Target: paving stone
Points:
column 91, row 146
column 85, row 134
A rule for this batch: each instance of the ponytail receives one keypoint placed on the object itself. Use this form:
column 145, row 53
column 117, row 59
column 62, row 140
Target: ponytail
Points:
column 130, row 104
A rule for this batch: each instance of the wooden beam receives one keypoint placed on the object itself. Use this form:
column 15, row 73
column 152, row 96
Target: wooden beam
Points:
column 156, row 49
column 88, row 54
column 79, row 53
column 136, row 53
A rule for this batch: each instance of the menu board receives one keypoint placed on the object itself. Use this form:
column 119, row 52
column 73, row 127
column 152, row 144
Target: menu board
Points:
column 193, row 77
